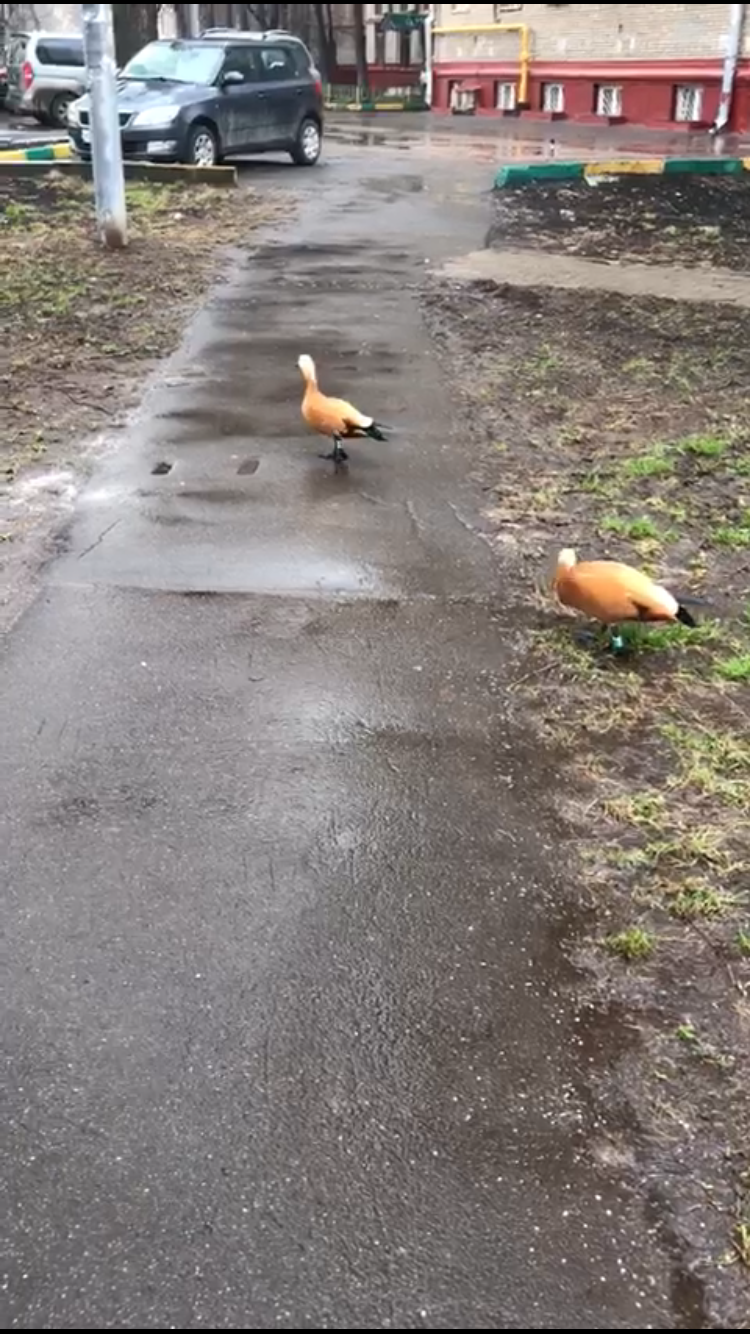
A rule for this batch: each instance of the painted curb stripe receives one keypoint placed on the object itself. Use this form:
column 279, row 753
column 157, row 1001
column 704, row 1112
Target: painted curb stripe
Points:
column 543, row 171
column 568, row 171
column 626, row 167
column 44, row 153
column 718, row 166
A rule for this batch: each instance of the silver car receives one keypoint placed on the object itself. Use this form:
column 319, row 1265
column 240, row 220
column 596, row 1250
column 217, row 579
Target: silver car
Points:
column 46, row 72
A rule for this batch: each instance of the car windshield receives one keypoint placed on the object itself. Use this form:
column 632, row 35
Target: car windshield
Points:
column 175, row 61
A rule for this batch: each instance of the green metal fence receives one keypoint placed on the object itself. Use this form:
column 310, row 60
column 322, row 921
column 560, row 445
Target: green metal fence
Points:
column 409, row 98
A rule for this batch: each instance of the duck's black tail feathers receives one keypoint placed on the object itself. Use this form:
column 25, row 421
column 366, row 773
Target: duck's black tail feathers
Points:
column 375, row 432
column 684, row 616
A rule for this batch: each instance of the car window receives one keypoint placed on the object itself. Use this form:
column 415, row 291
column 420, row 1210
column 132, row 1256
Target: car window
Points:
column 60, row 51
column 277, row 63
column 302, row 60
column 181, row 61
column 243, row 60
column 17, row 49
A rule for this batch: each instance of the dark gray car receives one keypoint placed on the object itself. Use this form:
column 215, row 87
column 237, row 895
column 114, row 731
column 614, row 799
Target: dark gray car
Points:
column 203, row 100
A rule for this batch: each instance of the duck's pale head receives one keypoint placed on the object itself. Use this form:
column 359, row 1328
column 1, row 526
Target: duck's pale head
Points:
column 567, row 559
column 307, row 366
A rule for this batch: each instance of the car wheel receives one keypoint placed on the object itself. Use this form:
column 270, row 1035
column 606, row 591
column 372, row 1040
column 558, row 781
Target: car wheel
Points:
column 58, row 110
column 309, row 145
column 203, row 147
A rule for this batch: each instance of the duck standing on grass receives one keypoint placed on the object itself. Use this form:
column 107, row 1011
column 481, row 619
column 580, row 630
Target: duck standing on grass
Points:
column 611, row 593
column 334, row 417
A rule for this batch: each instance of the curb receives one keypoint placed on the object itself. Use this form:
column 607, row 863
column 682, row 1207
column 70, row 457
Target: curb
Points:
column 375, row 106
column 578, row 171
column 162, row 172
column 42, row 153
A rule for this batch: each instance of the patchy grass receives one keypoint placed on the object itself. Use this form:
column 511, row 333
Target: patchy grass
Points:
column 697, row 900
column 707, row 446
column 645, row 809
column 736, row 536
column 636, row 530
column 81, row 324
column 735, row 669
column 632, row 442
column 633, row 946
column 644, row 467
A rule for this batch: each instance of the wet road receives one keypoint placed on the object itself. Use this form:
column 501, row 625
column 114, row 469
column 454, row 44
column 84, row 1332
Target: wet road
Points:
column 288, row 1038
column 17, row 131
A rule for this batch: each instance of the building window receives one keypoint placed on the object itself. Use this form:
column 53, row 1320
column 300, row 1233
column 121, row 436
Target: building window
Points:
column 505, row 9
column 505, row 97
column 553, row 97
column 608, row 100
column 688, row 102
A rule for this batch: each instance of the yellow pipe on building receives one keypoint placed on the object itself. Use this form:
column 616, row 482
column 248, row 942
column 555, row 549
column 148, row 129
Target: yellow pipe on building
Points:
column 482, row 29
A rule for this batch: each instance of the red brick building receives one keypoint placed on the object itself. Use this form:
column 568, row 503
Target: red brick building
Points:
column 651, row 65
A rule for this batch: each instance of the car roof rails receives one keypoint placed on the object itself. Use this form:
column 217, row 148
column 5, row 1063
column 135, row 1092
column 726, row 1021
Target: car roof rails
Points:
column 239, row 34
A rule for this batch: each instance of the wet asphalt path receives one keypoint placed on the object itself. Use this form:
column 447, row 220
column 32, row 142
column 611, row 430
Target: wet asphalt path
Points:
column 288, row 1039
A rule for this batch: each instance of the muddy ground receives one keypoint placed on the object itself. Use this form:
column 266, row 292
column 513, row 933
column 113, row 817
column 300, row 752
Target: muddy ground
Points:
column 82, row 327
column 621, row 426
column 699, row 221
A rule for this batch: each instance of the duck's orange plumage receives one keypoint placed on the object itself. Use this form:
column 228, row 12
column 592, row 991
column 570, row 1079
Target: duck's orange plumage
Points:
column 611, row 593
column 333, row 417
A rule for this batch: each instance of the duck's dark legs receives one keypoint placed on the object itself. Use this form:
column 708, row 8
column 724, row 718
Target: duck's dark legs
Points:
column 610, row 637
column 337, row 455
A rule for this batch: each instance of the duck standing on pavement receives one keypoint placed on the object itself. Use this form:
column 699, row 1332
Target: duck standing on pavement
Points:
column 334, row 417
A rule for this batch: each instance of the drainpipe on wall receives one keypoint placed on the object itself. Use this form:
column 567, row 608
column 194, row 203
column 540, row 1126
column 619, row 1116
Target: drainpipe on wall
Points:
column 734, row 52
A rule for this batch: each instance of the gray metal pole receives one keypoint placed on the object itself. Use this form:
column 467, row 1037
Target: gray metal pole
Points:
column 106, row 144
column 737, row 16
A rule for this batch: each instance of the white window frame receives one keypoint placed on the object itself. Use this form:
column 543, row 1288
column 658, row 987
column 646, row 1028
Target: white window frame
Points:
column 688, row 102
column 609, row 99
column 506, row 96
column 554, row 98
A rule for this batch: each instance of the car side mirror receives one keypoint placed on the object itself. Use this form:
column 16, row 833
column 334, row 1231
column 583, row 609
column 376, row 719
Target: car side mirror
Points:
column 231, row 78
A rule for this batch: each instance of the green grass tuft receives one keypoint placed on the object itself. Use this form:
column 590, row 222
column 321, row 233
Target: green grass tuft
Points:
column 637, row 530
column 633, row 946
column 646, row 466
column 706, row 446
column 735, row 669
column 696, row 902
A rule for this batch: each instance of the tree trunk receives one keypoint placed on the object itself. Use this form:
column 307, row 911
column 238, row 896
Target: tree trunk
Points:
column 360, row 45
column 183, row 20
column 326, row 40
column 134, row 27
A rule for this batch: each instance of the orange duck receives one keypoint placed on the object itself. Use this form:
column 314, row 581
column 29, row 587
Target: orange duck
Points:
column 612, row 593
column 334, row 417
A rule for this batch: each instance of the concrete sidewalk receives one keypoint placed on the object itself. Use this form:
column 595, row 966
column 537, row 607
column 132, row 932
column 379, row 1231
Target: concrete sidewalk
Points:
column 289, row 1037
